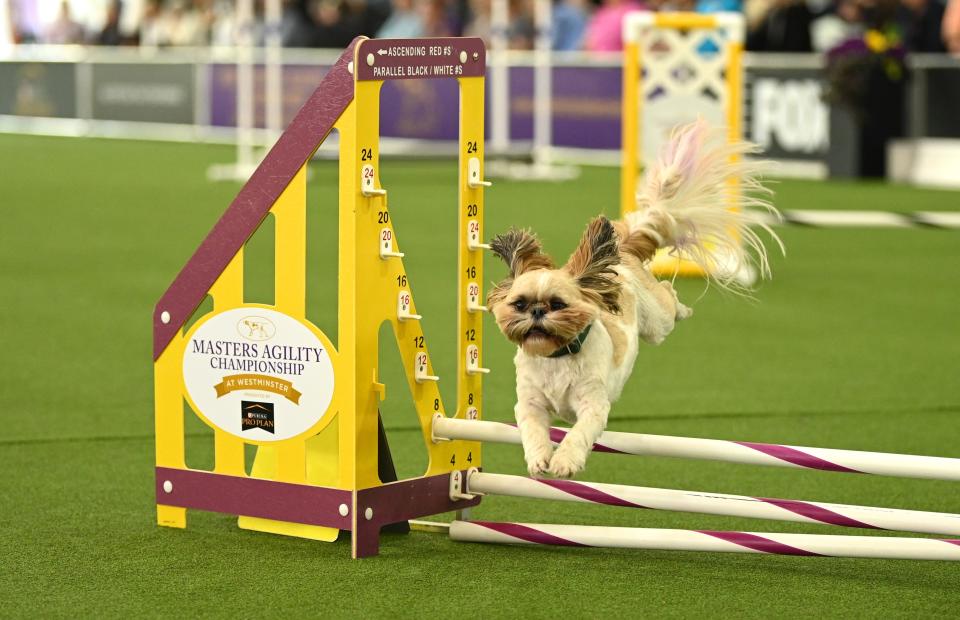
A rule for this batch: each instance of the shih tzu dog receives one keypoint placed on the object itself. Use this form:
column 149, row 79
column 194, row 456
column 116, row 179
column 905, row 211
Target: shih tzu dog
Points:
column 578, row 327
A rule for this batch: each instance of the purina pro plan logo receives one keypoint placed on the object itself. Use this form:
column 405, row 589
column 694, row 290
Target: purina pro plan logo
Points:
column 258, row 374
column 256, row 415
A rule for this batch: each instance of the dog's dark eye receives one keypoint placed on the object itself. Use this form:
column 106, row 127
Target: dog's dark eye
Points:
column 520, row 304
column 557, row 304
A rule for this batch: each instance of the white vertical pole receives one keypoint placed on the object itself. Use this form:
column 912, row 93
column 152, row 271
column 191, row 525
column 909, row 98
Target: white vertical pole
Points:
column 6, row 28
column 500, row 77
column 274, row 69
column 84, row 75
column 245, row 103
column 543, row 82
column 201, row 96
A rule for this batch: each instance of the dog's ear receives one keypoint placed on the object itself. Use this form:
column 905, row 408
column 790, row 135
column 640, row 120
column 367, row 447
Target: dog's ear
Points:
column 521, row 250
column 593, row 261
column 499, row 292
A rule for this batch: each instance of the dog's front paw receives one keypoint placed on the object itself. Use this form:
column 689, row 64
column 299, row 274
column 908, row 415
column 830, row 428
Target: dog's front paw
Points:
column 538, row 461
column 567, row 462
column 538, row 466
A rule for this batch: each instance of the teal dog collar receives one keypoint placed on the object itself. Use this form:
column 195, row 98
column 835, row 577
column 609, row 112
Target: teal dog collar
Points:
column 574, row 346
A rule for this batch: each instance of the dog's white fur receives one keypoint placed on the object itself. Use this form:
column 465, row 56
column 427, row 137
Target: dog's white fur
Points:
column 580, row 388
column 684, row 204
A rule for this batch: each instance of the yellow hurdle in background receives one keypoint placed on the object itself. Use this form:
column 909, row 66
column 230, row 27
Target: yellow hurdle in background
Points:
column 663, row 54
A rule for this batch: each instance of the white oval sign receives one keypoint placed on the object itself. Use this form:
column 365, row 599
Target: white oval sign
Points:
column 258, row 374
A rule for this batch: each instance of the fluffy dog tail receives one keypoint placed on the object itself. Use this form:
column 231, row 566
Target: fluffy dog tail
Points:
column 701, row 199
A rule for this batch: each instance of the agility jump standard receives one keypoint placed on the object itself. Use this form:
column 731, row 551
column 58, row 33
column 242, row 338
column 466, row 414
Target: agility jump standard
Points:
column 749, row 453
column 814, row 545
column 263, row 374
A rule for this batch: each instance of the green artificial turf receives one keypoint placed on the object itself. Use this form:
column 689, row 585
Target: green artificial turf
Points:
column 854, row 344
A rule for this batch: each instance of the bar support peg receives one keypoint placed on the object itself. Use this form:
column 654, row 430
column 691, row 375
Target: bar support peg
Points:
column 473, row 236
column 386, row 245
column 367, row 177
column 473, row 174
column 403, row 307
column 420, row 369
column 433, row 436
column 458, row 486
column 473, row 361
column 473, row 298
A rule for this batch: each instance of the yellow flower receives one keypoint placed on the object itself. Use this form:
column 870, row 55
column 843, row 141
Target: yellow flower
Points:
column 876, row 41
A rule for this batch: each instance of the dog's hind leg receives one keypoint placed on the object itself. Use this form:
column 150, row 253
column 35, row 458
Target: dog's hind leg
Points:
column 682, row 311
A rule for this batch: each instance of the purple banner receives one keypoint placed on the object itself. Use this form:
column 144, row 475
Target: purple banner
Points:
column 586, row 107
column 586, row 104
column 521, row 103
column 299, row 82
column 422, row 109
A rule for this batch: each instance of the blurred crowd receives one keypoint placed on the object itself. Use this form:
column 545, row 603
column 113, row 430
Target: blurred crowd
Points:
column 591, row 25
column 803, row 26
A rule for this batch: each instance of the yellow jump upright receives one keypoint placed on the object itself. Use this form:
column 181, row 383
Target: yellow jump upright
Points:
column 676, row 67
column 264, row 375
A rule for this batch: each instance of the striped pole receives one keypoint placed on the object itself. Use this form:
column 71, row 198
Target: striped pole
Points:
column 822, row 218
column 811, row 545
column 824, row 459
column 716, row 504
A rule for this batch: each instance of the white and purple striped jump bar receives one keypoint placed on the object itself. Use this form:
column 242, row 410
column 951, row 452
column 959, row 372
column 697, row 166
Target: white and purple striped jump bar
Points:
column 824, row 459
column 716, row 504
column 811, row 545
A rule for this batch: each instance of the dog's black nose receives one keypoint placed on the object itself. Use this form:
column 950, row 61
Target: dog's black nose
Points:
column 538, row 312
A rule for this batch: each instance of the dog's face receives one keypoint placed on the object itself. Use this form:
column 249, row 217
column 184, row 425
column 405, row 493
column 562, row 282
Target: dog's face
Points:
column 542, row 308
